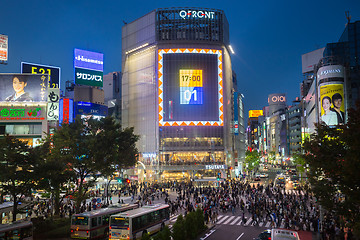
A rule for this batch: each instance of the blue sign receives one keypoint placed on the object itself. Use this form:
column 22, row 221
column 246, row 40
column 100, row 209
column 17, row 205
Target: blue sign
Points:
column 87, row 108
column 88, row 60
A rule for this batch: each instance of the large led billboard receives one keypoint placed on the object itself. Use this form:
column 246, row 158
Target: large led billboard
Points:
column 332, row 106
column 53, row 72
column 23, row 88
column 255, row 113
column 190, row 87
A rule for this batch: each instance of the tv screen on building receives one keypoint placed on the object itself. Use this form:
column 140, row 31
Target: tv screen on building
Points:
column 190, row 87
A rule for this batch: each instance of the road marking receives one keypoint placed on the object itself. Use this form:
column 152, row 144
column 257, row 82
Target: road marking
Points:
column 228, row 220
column 247, row 223
column 236, row 219
column 267, row 224
column 208, row 234
column 240, row 236
column 239, row 223
column 225, row 217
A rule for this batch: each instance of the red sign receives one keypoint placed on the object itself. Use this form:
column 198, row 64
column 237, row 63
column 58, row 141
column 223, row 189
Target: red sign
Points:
column 66, row 110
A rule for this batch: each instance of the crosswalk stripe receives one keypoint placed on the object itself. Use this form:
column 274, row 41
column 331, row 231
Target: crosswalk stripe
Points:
column 236, row 219
column 261, row 223
column 228, row 220
column 247, row 223
column 239, row 223
column 223, row 219
column 267, row 224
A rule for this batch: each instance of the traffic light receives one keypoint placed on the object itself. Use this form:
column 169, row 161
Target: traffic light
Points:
column 119, row 180
column 128, row 181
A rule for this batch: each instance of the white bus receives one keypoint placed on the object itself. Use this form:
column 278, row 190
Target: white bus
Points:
column 135, row 223
column 95, row 224
column 17, row 230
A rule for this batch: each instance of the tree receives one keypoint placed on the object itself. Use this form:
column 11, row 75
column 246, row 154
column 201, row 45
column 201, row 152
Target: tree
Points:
column 191, row 228
column 333, row 158
column 252, row 159
column 178, row 230
column 90, row 146
column 54, row 173
column 17, row 176
column 199, row 216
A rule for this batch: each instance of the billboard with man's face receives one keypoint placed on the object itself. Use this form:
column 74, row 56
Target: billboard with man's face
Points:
column 190, row 87
column 23, row 88
column 332, row 106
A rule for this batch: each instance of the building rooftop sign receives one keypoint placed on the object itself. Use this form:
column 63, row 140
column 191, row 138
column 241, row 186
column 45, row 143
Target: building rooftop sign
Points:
column 196, row 14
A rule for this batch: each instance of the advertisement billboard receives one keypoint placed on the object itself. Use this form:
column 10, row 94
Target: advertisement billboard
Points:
column 23, row 87
column 53, row 72
column 88, row 60
column 3, row 47
column 332, row 106
column 29, row 113
column 332, row 71
column 93, row 109
column 88, row 77
column 66, row 111
column 255, row 113
column 190, row 87
column 53, row 104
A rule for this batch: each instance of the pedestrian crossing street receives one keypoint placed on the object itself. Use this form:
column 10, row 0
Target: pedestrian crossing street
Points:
column 237, row 220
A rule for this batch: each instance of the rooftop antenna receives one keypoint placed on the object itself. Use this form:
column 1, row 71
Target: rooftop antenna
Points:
column 348, row 17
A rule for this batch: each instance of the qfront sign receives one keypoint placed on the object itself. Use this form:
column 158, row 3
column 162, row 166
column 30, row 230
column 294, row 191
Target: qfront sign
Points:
column 196, row 14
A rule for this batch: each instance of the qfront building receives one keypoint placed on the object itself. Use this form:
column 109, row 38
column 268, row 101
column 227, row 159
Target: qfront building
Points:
column 177, row 93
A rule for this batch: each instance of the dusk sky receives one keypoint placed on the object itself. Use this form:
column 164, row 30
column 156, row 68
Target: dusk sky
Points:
column 268, row 37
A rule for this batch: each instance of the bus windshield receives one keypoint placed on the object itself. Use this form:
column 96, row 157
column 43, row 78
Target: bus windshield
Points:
column 120, row 222
column 80, row 221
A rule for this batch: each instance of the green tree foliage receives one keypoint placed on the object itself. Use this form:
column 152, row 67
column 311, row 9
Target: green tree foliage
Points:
column 178, row 230
column 191, row 227
column 200, row 219
column 54, row 173
column 17, row 177
column 164, row 234
column 90, row 146
column 252, row 159
column 334, row 163
column 145, row 236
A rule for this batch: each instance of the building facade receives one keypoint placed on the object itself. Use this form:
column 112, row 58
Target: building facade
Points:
column 177, row 92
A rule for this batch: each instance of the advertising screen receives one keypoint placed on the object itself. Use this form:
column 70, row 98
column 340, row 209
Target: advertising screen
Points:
column 255, row 113
column 23, row 88
column 190, row 87
column 66, row 111
column 53, row 72
column 332, row 106
column 22, row 113
column 88, row 77
column 87, row 108
column 3, row 47
column 88, row 60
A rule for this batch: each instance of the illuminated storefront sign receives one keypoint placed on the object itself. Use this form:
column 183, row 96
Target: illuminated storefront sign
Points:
column 22, row 113
column 277, row 99
column 196, row 14
column 214, row 167
column 23, row 88
column 53, row 104
column 88, row 77
column 3, row 47
column 53, row 72
column 88, row 60
column 332, row 104
column 255, row 113
column 332, row 71
column 188, row 95
column 66, row 111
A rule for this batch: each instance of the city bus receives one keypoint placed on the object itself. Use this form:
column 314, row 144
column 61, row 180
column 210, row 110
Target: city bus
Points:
column 95, row 224
column 17, row 230
column 135, row 223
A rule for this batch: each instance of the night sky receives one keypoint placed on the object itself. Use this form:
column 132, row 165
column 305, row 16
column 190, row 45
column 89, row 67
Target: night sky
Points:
column 268, row 37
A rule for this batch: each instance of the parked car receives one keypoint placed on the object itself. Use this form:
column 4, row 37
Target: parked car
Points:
column 264, row 175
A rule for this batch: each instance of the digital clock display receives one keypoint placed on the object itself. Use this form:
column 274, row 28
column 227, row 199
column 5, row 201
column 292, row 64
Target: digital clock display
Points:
column 191, row 86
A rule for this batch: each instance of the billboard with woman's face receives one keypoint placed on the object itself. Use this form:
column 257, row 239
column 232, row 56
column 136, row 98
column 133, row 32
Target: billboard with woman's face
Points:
column 23, row 88
column 332, row 107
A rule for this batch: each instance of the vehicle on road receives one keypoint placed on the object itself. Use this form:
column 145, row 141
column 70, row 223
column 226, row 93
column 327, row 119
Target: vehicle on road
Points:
column 278, row 234
column 264, row 175
column 95, row 224
column 280, row 181
column 17, row 230
column 136, row 223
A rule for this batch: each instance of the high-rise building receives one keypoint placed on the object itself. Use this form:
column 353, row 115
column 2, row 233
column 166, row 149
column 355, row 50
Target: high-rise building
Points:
column 293, row 117
column 177, row 92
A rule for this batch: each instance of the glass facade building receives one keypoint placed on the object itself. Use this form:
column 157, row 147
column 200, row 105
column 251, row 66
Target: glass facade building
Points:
column 177, row 92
